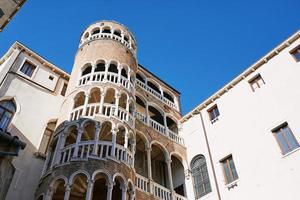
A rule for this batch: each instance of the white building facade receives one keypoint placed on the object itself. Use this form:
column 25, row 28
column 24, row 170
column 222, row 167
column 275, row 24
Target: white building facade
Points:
column 243, row 141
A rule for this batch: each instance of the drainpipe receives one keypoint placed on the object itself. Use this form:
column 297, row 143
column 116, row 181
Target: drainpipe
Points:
column 210, row 156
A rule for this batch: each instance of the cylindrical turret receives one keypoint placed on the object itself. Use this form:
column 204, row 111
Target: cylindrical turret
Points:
column 94, row 144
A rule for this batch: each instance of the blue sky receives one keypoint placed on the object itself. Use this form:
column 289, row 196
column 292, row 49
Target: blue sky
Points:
column 195, row 46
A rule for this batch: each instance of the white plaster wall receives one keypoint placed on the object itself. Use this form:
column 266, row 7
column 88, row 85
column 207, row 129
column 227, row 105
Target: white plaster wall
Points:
column 244, row 130
column 35, row 107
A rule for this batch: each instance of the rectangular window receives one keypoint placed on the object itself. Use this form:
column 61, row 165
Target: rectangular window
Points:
column 213, row 113
column 64, row 89
column 285, row 138
column 28, row 68
column 256, row 82
column 296, row 53
column 229, row 170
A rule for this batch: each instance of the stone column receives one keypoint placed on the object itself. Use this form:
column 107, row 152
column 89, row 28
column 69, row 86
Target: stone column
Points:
column 147, row 114
column 119, row 73
column 131, row 195
column 106, row 70
column 117, row 97
column 114, row 137
column 166, row 125
column 92, row 72
column 71, row 109
column 80, row 131
column 67, row 192
column 149, row 169
column 169, row 161
column 86, row 101
column 123, row 189
column 122, row 36
column 102, row 102
column 89, row 190
column 60, row 144
column 49, row 194
column 97, row 133
column 109, row 191
column 126, row 139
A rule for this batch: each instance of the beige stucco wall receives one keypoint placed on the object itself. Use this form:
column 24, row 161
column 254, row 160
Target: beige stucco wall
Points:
column 36, row 105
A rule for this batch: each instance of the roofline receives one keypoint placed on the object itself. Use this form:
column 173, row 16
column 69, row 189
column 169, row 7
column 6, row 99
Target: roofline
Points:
column 243, row 75
column 44, row 61
column 12, row 14
column 159, row 79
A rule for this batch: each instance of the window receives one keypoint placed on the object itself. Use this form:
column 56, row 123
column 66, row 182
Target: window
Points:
column 285, row 138
column 296, row 53
column 229, row 170
column 64, row 89
column 213, row 113
column 28, row 68
column 256, row 82
column 200, row 176
column 7, row 111
column 44, row 145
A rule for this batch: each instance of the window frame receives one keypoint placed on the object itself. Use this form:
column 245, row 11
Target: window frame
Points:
column 280, row 129
column 31, row 63
column 210, row 111
column 201, row 172
column 293, row 51
column 227, row 160
column 254, row 80
column 9, row 111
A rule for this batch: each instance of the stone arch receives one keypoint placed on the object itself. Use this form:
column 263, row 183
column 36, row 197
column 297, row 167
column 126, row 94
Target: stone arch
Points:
column 113, row 67
column 71, row 133
column 95, row 30
column 100, row 65
column 130, row 194
column 79, row 99
column 178, row 167
column 105, row 133
column 86, row 69
column 58, row 187
column 79, row 182
column 141, row 77
column 94, row 94
column 124, row 97
column 122, row 131
column 107, row 29
column 156, row 113
column 105, row 172
column 110, row 95
column 71, row 179
column 172, row 123
column 168, row 95
column 14, row 100
column 89, row 128
column 154, row 85
column 117, row 32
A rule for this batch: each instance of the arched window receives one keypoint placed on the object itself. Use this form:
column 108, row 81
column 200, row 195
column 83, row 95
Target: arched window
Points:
column 200, row 176
column 7, row 111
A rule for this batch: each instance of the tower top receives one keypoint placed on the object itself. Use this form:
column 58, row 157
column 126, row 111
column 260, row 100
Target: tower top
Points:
column 108, row 29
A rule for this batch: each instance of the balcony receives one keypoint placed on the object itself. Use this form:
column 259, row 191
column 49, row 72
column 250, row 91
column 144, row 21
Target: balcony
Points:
column 156, row 94
column 160, row 128
column 102, row 150
column 108, row 110
column 160, row 192
column 102, row 77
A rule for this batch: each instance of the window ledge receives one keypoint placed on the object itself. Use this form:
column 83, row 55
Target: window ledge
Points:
column 291, row 152
column 232, row 184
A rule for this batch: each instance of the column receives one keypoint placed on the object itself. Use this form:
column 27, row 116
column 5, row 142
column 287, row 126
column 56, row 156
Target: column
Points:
column 123, row 189
column 127, row 108
column 60, row 144
column 128, row 75
column 106, row 70
column 86, row 101
column 49, row 194
column 161, row 92
column 109, row 191
column 149, row 169
column 117, row 97
column 67, row 192
column 71, row 109
column 169, row 161
column 166, row 125
column 122, row 36
column 80, row 131
column 114, row 137
column 119, row 73
column 131, row 195
column 97, row 133
column 126, row 139
column 92, row 72
column 102, row 102
column 89, row 190
column 147, row 114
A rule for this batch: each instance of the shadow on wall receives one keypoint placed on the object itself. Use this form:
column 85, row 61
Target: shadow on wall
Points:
column 27, row 169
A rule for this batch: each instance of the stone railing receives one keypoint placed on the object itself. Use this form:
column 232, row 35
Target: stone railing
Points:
column 86, row 149
column 156, row 94
column 161, row 192
column 108, row 110
column 108, row 36
column 160, row 128
column 101, row 77
column 179, row 197
column 142, row 183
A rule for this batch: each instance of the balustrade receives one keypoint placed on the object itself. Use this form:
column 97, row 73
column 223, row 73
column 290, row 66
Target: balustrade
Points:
column 108, row 111
column 156, row 94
